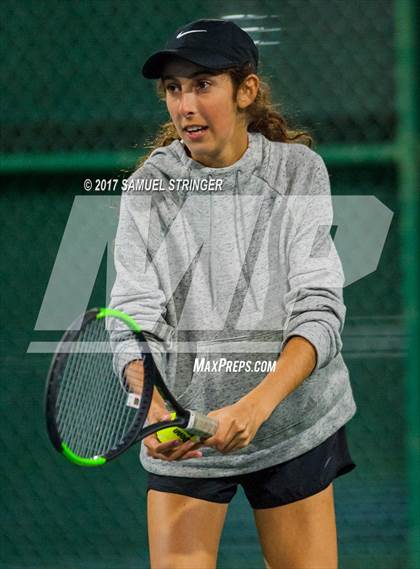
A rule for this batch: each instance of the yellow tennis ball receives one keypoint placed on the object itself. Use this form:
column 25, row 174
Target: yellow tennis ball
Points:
column 174, row 433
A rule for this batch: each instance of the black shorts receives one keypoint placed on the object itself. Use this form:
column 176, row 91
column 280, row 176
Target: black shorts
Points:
column 274, row 486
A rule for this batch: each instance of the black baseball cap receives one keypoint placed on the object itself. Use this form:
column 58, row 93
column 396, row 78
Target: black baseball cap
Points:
column 215, row 44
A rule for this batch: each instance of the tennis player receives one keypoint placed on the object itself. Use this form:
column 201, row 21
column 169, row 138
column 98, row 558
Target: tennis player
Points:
column 242, row 210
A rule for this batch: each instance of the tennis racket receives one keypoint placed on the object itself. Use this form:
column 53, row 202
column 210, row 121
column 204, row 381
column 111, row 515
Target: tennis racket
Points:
column 93, row 414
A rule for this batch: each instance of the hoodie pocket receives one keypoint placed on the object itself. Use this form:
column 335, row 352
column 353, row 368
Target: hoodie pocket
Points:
column 219, row 381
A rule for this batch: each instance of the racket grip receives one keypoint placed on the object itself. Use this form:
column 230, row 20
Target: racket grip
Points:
column 201, row 425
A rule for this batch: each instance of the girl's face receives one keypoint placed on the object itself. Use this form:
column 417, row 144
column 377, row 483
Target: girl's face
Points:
column 196, row 98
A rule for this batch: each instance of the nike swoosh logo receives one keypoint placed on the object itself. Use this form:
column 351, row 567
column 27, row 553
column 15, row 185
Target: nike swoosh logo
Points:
column 189, row 32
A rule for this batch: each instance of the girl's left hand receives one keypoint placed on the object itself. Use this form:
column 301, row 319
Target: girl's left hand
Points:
column 238, row 425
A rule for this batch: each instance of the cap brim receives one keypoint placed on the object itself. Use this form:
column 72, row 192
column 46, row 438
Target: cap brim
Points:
column 153, row 67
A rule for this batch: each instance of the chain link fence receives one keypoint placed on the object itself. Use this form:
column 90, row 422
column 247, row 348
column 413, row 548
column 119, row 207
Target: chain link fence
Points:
column 72, row 84
column 72, row 69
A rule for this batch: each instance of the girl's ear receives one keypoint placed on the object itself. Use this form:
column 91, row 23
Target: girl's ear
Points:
column 247, row 91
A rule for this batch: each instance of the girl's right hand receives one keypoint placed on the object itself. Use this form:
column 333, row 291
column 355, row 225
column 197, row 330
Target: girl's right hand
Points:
column 171, row 450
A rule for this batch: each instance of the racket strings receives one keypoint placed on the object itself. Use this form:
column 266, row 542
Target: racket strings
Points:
column 76, row 378
column 85, row 404
column 70, row 385
column 100, row 395
column 104, row 398
column 92, row 412
column 92, row 419
column 81, row 380
column 115, row 409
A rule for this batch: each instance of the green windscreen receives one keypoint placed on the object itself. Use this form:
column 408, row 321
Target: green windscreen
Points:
column 73, row 96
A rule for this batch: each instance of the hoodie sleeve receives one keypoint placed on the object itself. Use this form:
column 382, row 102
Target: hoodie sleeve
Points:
column 314, row 301
column 136, row 291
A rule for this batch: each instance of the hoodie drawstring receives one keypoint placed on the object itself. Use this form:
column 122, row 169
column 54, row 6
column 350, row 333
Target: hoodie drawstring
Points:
column 240, row 236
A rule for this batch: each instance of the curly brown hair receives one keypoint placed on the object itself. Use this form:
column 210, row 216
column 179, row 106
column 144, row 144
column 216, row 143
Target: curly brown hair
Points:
column 260, row 116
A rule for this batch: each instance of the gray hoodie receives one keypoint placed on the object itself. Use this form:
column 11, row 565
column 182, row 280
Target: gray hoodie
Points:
column 227, row 269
